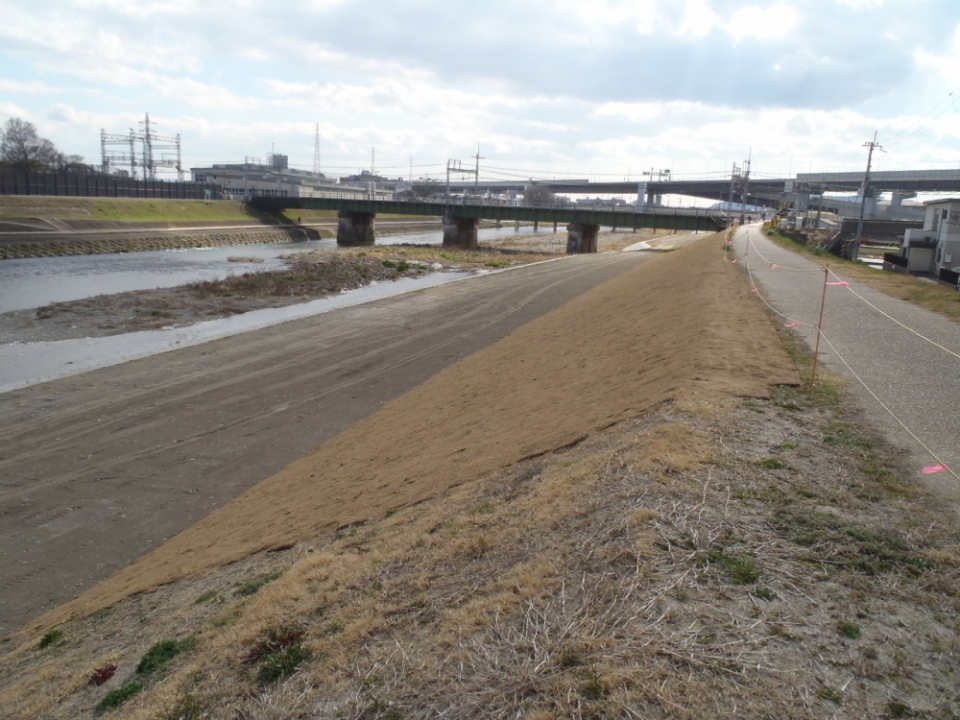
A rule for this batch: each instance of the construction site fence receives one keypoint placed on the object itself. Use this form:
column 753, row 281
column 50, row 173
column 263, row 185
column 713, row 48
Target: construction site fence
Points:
column 94, row 185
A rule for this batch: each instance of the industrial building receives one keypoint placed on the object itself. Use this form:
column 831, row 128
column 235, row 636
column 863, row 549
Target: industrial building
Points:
column 242, row 181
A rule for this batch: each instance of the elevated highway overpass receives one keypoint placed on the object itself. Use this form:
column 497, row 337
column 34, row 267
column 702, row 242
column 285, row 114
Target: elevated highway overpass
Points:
column 767, row 192
column 356, row 218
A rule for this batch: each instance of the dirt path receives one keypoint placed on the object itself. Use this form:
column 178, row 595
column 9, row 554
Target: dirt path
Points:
column 918, row 381
column 99, row 468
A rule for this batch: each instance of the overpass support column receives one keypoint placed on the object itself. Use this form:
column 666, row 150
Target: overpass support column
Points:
column 459, row 232
column 355, row 228
column 582, row 238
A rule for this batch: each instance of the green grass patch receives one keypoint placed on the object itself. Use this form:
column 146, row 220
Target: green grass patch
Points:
column 116, row 698
column 740, row 567
column 278, row 654
column 831, row 693
column 253, row 586
column 771, row 463
column 158, row 657
column 848, row 629
column 206, row 597
column 867, row 550
column 50, row 637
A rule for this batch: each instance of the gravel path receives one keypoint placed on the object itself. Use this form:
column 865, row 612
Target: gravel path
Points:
column 917, row 381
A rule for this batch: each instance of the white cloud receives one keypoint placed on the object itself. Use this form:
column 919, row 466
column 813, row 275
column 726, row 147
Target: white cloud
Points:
column 763, row 22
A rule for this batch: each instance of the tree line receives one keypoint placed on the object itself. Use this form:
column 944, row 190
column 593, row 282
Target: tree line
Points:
column 23, row 150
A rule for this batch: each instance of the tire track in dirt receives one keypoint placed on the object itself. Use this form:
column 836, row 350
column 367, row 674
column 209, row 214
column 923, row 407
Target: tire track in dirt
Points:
column 147, row 448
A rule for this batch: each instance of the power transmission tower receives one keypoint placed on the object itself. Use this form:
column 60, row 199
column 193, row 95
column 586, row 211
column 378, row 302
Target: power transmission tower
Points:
column 150, row 141
column 316, row 151
column 863, row 193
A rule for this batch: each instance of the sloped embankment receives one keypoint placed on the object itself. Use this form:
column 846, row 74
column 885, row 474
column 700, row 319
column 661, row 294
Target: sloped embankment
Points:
column 678, row 327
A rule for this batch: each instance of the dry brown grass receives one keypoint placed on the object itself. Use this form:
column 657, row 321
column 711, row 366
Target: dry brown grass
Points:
column 604, row 580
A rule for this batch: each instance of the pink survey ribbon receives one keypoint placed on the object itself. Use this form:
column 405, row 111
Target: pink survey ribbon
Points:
column 793, row 324
column 842, row 282
column 774, row 267
column 754, row 290
column 734, row 261
column 933, row 469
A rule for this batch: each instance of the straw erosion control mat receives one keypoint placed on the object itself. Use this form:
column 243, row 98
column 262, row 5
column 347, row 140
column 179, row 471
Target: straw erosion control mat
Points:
column 678, row 326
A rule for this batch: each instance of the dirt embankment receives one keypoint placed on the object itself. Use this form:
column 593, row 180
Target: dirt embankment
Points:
column 678, row 327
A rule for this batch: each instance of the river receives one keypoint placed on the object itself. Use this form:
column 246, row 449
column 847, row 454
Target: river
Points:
column 35, row 282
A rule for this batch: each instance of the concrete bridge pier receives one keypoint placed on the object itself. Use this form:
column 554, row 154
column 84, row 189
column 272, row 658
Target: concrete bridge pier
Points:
column 459, row 232
column 582, row 238
column 355, row 228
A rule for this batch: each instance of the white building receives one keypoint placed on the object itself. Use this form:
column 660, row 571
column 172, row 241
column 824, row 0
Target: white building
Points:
column 937, row 245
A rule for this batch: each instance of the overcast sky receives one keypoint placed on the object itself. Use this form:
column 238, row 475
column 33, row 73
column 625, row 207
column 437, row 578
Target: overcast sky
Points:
column 587, row 89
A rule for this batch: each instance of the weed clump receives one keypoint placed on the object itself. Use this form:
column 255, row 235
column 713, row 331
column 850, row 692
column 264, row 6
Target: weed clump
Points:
column 278, row 654
column 848, row 629
column 741, row 568
column 50, row 637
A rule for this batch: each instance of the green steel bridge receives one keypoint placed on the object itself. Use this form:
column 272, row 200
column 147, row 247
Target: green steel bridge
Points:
column 356, row 226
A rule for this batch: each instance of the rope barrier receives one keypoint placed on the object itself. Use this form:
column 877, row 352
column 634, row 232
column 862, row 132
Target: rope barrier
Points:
column 890, row 412
column 845, row 284
column 942, row 465
column 893, row 319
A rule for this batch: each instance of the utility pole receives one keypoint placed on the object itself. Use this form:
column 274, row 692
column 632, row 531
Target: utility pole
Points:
column 819, row 208
column 746, row 187
column 373, row 157
column 863, row 194
column 733, row 176
column 476, row 172
column 316, row 150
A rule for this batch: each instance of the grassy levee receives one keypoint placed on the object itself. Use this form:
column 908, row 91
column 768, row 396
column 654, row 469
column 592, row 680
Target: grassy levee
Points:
column 126, row 209
column 635, row 506
column 135, row 210
column 937, row 298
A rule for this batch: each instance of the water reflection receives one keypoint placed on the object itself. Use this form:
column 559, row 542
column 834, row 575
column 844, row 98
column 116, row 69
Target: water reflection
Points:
column 34, row 282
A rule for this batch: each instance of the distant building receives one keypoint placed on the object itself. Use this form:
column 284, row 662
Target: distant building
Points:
column 251, row 178
column 937, row 245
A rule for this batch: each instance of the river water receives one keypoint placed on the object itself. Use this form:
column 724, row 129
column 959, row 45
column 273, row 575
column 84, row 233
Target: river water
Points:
column 34, row 282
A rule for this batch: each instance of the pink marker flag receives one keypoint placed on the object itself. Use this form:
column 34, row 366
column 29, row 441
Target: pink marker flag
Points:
column 734, row 261
column 774, row 267
column 793, row 324
column 754, row 290
column 842, row 282
column 933, row 469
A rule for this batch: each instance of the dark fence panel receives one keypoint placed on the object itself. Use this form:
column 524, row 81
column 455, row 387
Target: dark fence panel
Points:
column 895, row 259
column 949, row 277
column 84, row 185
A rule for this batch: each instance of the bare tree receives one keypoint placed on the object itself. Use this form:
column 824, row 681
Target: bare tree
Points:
column 425, row 189
column 23, row 150
column 538, row 195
